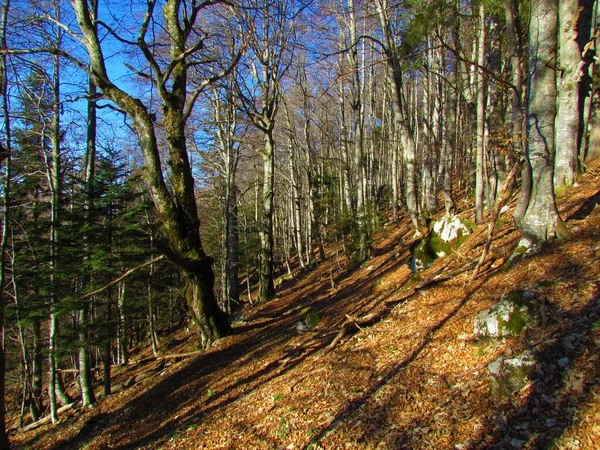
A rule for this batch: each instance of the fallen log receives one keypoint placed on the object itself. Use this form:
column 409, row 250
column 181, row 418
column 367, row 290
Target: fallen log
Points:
column 47, row 419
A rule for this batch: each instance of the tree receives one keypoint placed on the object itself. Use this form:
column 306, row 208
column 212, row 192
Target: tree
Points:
column 542, row 221
column 480, row 160
column 6, row 147
column 172, row 191
column 568, row 113
column 269, row 28
column 401, row 114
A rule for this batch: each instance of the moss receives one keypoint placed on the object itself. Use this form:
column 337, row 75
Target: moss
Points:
column 312, row 319
column 521, row 315
column 305, row 310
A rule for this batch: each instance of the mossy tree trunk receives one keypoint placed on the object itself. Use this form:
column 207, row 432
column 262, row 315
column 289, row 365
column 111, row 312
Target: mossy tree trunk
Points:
column 541, row 221
column 176, row 204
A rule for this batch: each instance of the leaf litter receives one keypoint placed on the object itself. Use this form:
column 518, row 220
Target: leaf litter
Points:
column 414, row 377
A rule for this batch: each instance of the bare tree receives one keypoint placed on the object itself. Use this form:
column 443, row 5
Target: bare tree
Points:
column 188, row 45
column 270, row 28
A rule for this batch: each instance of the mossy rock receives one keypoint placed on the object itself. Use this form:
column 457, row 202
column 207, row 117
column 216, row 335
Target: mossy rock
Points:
column 447, row 235
column 515, row 310
column 509, row 375
column 310, row 319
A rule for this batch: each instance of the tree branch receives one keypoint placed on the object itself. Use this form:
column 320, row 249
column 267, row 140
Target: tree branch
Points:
column 125, row 275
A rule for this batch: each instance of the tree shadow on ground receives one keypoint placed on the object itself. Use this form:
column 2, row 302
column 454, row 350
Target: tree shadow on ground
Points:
column 558, row 388
column 172, row 405
column 586, row 208
column 355, row 406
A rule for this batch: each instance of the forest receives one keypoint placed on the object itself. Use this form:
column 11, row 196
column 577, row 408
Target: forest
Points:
column 185, row 182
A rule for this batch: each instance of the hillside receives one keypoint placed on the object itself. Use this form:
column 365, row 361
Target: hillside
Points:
column 414, row 378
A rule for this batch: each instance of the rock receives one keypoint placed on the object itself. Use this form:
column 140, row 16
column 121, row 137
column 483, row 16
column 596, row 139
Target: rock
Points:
column 509, row 375
column 447, row 234
column 508, row 317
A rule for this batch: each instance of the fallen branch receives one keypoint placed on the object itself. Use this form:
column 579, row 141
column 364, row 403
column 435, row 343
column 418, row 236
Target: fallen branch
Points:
column 48, row 419
column 494, row 218
column 180, row 355
column 353, row 325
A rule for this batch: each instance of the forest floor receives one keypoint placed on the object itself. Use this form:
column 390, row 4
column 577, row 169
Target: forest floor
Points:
column 416, row 378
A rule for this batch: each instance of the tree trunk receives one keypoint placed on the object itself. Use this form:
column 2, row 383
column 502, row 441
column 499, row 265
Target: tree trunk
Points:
column 541, row 221
column 200, row 297
column 85, row 376
column 122, row 325
column 267, row 288
column 589, row 42
column 37, row 368
column 403, row 127
column 175, row 206
column 6, row 191
column 480, row 163
column 567, row 114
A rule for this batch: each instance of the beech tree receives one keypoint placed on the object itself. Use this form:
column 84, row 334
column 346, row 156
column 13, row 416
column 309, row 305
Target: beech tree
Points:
column 542, row 221
column 172, row 191
column 269, row 27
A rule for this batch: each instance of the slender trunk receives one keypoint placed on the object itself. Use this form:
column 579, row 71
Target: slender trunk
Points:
column 37, row 367
column 54, row 175
column 480, row 163
column 122, row 325
column 590, row 95
column 403, row 126
column 151, row 316
column 6, row 189
column 85, row 376
column 358, row 135
column 233, row 237
column 87, row 390
column 107, row 349
column 267, row 288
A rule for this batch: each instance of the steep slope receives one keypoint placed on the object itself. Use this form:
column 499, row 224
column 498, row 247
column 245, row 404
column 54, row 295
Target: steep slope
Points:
column 411, row 377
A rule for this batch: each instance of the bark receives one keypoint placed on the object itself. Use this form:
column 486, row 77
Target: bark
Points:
column 37, row 405
column 267, row 287
column 55, row 183
column 61, row 392
column 199, row 294
column 122, row 325
column 542, row 222
column 4, row 443
column 590, row 40
column 85, row 375
column 567, row 114
column 480, row 162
